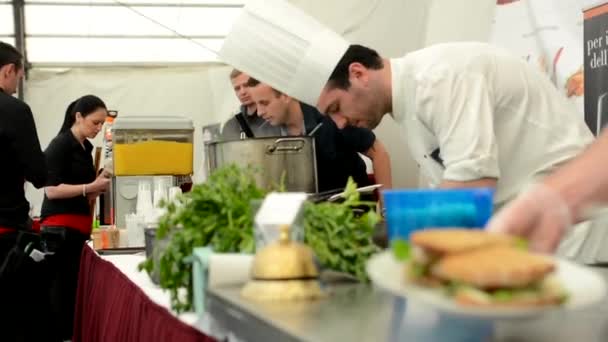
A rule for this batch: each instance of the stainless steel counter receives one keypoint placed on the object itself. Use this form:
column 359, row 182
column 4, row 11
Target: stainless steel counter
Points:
column 356, row 312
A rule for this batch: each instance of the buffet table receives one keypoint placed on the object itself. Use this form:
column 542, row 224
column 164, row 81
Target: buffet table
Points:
column 118, row 303
column 115, row 302
column 356, row 312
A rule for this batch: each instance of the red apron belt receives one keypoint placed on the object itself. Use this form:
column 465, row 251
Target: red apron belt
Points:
column 4, row 230
column 81, row 223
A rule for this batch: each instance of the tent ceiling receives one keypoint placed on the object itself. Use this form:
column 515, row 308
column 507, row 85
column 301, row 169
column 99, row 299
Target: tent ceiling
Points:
column 6, row 19
column 133, row 31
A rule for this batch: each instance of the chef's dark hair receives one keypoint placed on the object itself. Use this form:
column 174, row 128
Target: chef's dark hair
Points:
column 369, row 58
column 85, row 106
column 10, row 55
column 252, row 82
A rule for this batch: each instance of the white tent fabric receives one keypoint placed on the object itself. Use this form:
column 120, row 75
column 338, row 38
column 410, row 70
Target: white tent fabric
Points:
column 203, row 93
column 6, row 20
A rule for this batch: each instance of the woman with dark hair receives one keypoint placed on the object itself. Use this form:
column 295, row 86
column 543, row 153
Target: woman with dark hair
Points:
column 72, row 187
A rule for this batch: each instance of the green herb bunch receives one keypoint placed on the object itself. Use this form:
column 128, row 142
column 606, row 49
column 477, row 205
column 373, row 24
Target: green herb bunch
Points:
column 217, row 213
column 341, row 240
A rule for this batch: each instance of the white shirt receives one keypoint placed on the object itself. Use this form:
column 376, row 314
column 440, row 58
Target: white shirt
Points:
column 491, row 115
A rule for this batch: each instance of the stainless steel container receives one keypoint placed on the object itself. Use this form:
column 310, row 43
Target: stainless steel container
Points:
column 290, row 157
column 154, row 248
column 150, row 238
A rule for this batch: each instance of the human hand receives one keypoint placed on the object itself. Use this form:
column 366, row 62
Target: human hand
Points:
column 92, row 196
column 100, row 184
column 539, row 215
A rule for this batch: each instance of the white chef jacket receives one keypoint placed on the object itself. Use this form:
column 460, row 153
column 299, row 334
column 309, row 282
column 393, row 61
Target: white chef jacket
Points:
column 491, row 115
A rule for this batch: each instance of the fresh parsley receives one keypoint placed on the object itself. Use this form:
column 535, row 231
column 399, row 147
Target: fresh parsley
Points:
column 218, row 213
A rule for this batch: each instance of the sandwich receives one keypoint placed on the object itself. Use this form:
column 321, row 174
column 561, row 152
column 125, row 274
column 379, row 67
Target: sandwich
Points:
column 430, row 246
column 478, row 268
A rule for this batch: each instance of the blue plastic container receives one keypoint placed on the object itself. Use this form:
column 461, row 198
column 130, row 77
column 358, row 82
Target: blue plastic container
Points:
column 411, row 210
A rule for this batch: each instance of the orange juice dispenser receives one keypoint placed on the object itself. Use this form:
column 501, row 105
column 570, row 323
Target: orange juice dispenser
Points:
column 148, row 149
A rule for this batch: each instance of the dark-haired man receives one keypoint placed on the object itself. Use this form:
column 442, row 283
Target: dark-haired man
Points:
column 337, row 150
column 20, row 152
column 232, row 130
column 493, row 120
column 472, row 114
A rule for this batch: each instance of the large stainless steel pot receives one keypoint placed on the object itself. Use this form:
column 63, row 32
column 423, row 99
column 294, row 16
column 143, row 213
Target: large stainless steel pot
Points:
column 293, row 157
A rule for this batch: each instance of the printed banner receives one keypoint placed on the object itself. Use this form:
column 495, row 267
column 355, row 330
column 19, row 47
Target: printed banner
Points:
column 549, row 34
column 596, row 67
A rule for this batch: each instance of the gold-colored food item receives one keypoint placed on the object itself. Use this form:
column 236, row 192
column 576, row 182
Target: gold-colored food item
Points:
column 284, row 260
column 430, row 245
column 153, row 157
column 494, row 267
column 448, row 241
column 277, row 290
column 284, row 270
column 477, row 268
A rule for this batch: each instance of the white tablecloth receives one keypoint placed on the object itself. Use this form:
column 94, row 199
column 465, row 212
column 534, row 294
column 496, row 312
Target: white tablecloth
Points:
column 127, row 264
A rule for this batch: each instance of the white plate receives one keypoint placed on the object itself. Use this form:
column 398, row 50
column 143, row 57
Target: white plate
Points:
column 584, row 287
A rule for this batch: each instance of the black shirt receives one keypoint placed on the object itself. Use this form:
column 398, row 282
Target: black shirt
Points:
column 261, row 129
column 68, row 163
column 22, row 160
column 337, row 150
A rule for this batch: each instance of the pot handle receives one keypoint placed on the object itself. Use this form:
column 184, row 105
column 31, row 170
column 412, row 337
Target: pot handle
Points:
column 276, row 146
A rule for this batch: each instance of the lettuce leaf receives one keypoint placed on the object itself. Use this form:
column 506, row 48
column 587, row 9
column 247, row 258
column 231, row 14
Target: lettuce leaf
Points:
column 401, row 249
column 521, row 243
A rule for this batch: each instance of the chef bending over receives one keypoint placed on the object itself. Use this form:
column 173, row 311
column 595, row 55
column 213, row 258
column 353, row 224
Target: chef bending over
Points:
column 337, row 150
column 472, row 114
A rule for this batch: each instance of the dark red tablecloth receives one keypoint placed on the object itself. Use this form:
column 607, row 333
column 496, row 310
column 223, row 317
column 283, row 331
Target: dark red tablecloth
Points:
column 110, row 307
